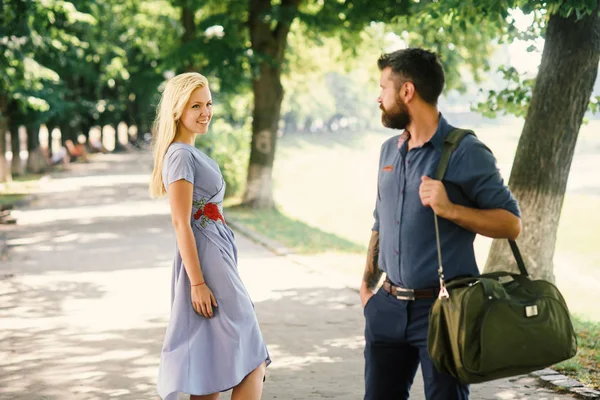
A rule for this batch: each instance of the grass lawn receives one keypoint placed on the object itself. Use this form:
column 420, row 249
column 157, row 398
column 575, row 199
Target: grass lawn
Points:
column 19, row 188
column 10, row 199
column 292, row 233
column 585, row 366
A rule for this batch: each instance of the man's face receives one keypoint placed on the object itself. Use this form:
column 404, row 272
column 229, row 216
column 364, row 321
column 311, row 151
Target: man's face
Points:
column 394, row 113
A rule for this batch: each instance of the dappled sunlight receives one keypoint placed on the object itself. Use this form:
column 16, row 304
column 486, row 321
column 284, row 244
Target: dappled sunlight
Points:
column 61, row 240
column 61, row 185
column 116, row 209
column 93, row 301
column 58, row 363
column 295, row 362
column 351, row 343
column 93, row 333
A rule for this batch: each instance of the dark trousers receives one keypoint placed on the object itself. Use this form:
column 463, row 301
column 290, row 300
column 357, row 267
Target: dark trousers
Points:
column 396, row 342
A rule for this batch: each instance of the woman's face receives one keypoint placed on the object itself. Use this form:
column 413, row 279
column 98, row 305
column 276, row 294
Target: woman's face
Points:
column 197, row 113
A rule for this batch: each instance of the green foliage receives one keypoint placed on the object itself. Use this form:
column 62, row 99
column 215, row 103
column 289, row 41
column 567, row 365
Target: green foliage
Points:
column 229, row 146
column 220, row 48
column 22, row 79
column 463, row 44
column 594, row 105
column 315, row 80
column 514, row 99
column 83, row 63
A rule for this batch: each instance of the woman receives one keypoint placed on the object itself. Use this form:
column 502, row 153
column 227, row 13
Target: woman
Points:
column 213, row 342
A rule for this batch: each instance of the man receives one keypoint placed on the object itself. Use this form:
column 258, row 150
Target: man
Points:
column 471, row 200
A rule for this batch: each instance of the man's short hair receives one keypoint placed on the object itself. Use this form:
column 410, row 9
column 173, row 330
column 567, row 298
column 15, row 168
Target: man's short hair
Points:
column 422, row 67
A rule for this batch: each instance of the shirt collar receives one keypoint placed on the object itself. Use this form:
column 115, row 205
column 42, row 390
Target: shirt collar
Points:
column 437, row 140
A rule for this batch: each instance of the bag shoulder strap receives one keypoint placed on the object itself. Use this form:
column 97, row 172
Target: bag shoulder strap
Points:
column 451, row 142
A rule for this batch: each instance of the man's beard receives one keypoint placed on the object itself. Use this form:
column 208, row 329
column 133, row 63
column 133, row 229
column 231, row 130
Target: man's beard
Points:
column 396, row 118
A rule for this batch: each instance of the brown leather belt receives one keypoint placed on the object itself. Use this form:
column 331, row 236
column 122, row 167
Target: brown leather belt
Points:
column 409, row 294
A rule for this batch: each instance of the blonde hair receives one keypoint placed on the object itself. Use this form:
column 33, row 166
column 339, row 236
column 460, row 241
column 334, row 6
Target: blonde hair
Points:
column 174, row 98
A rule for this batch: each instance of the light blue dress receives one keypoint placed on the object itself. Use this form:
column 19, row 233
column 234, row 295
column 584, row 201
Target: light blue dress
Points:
column 199, row 355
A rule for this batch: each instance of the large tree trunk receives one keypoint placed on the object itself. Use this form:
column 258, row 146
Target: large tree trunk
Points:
column 5, row 175
column 269, row 47
column 15, row 145
column 541, row 168
column 36, row 162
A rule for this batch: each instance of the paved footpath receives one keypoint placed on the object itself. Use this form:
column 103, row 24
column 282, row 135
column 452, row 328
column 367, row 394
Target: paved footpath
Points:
column 84, row 301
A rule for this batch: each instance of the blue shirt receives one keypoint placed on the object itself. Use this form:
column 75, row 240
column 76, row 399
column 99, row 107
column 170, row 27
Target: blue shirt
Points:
column 407, row 245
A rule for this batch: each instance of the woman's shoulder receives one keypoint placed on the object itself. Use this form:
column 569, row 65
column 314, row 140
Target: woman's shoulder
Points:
column 182, row 151
column 181, row 148
column 178, row 153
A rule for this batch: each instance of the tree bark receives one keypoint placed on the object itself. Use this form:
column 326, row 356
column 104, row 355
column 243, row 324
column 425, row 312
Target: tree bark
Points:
column 268, row 45
column 36, row 163
column 15, row 144
column 540, row 172
column 5, row 175
column 50, row 128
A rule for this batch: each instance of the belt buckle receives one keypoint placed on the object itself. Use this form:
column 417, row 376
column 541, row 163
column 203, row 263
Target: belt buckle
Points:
column 410, row 294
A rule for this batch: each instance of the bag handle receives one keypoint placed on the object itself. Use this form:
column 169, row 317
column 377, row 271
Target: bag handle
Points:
column 450, row 144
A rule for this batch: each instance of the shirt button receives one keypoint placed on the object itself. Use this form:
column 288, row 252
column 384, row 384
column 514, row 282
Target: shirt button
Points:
column 397, row 222
column 402, row 191
column 396, row 251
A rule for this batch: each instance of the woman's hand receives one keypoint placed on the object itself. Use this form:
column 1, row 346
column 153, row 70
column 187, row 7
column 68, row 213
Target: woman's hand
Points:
column 203, row 300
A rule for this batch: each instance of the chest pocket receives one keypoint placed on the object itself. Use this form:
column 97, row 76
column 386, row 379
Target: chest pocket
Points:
column 388, row 182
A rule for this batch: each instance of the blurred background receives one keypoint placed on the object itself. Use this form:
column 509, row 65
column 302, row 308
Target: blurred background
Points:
column 297, row 129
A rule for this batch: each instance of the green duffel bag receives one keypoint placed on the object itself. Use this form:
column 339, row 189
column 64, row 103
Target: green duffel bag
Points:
column 484, row 328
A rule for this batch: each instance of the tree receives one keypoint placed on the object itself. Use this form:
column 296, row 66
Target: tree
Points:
column 559, row 100
column 269, row 41
column 33, row 37
column 13, row 52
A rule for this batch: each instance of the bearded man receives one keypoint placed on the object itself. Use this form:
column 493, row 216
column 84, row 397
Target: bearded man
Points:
column 472, row 199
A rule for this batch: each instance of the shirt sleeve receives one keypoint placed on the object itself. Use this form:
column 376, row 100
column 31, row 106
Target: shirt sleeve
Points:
column 180, row 166
column 376, row 215
column 378, row 200
column 475, row 171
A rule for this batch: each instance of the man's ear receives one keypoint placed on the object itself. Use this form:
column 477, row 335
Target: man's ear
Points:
column 408, row 91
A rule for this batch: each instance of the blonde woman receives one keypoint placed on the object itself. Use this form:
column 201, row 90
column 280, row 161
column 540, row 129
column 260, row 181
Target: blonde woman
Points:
column 213, row 342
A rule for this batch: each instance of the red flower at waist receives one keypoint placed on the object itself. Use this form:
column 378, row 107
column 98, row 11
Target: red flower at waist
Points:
column 211, row 211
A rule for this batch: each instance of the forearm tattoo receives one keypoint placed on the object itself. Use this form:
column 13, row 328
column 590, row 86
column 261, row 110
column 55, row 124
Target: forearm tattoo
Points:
column 372, row 271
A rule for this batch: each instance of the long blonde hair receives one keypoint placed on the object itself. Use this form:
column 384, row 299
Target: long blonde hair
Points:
column 174, row 98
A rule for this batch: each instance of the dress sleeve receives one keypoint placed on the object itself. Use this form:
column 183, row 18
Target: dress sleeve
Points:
column 180, row 165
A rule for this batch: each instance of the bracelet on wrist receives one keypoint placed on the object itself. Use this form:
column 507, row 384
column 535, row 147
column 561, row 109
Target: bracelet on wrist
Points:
column 199, row 284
